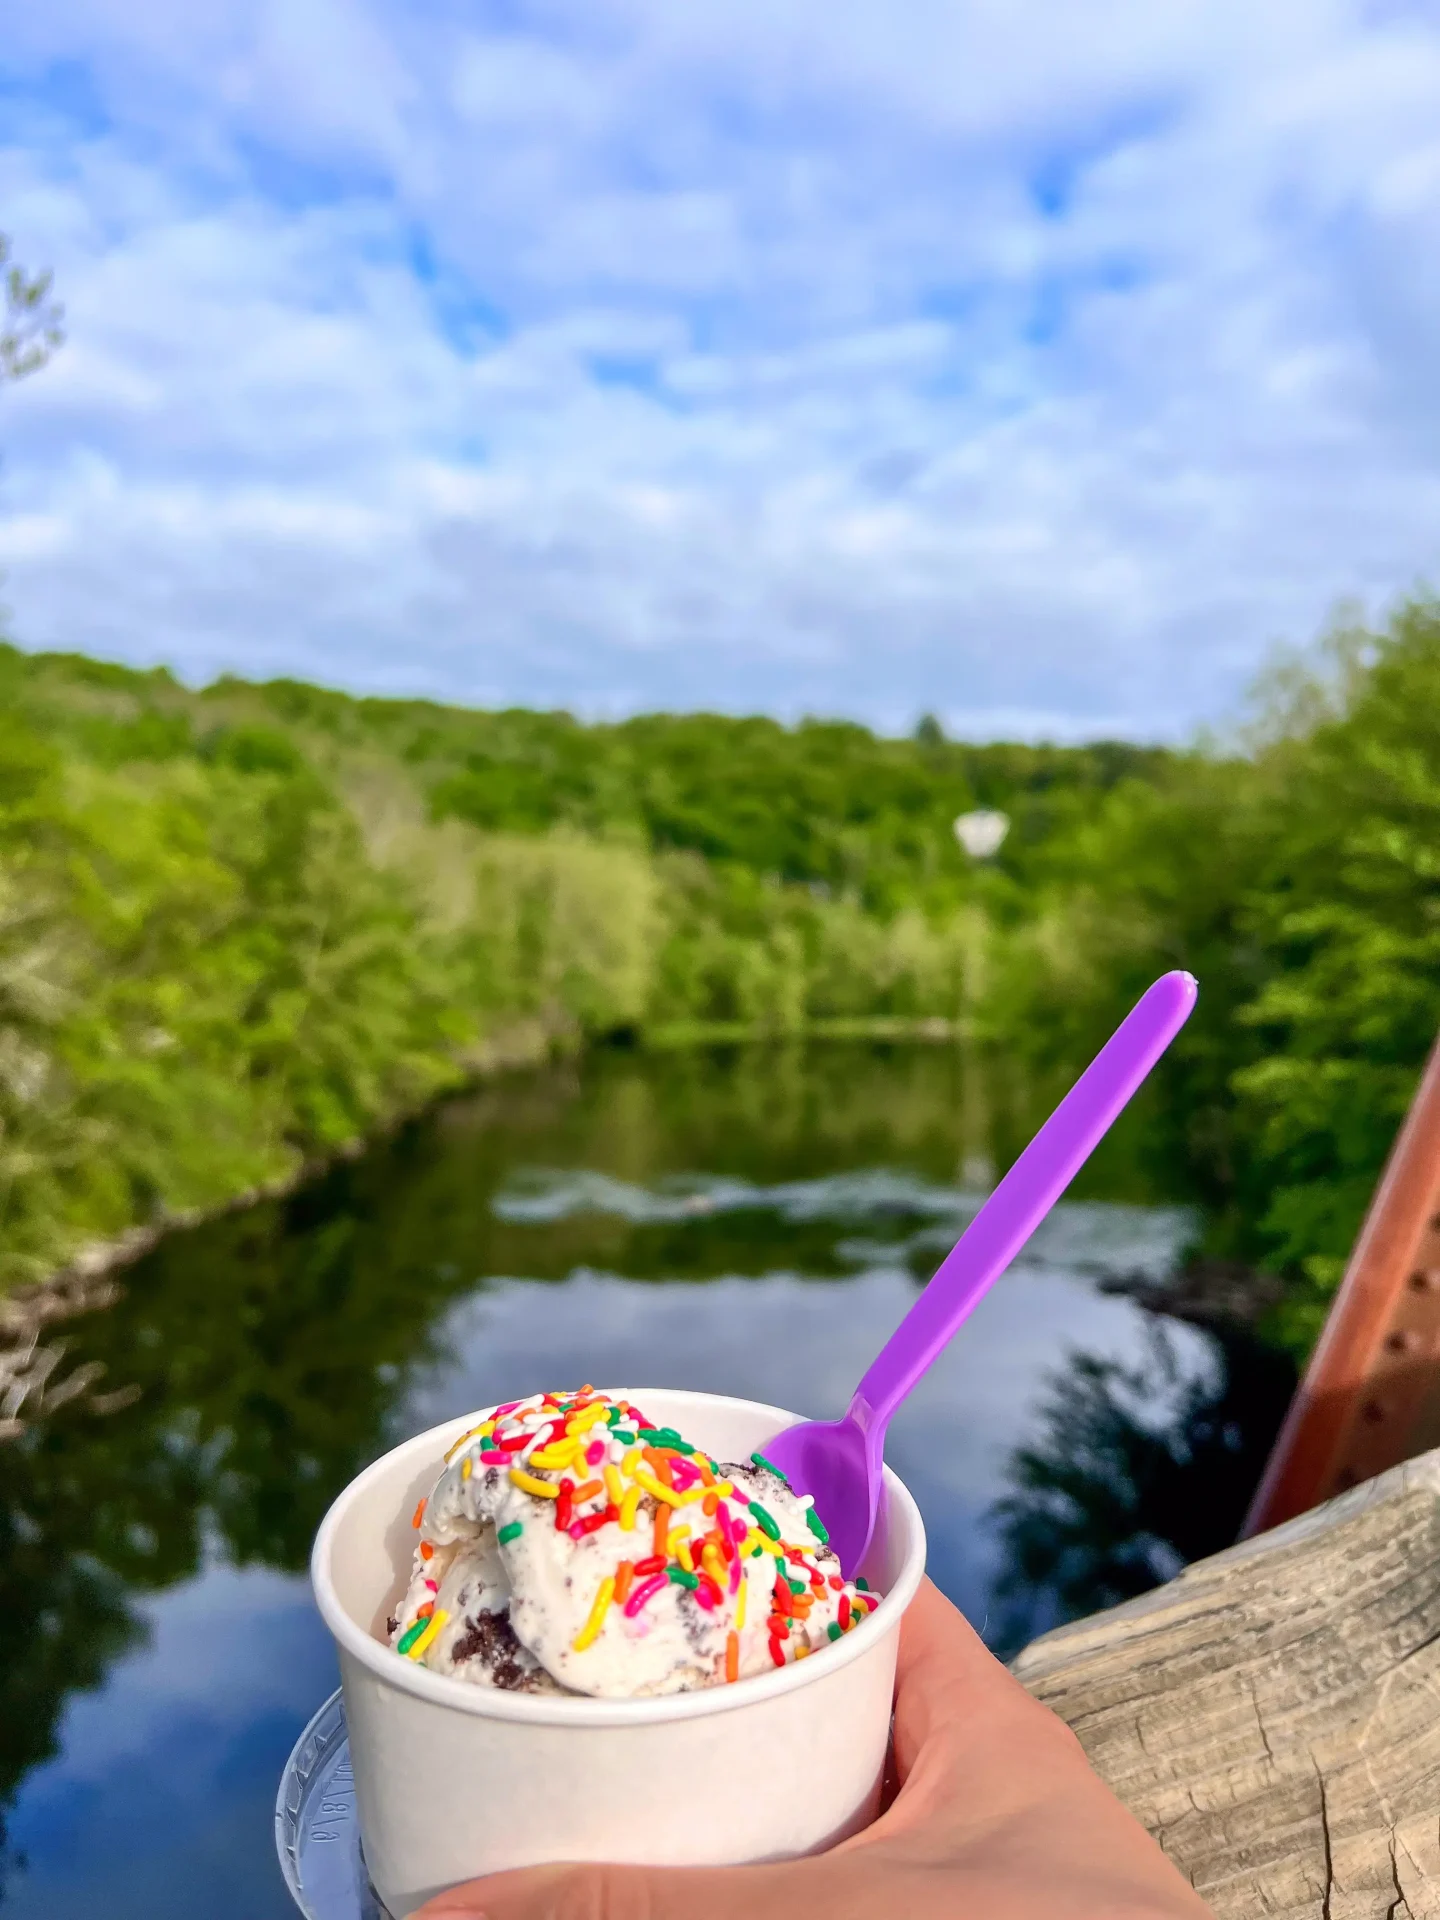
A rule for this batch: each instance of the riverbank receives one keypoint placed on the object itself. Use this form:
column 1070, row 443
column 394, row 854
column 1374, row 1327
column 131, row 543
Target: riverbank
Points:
column 78, row 1285
column 84, row 1282
column 31, row 1384
column 934, row 1030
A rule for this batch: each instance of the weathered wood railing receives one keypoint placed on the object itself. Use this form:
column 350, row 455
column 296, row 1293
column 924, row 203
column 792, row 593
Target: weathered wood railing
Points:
column 1273, row 1714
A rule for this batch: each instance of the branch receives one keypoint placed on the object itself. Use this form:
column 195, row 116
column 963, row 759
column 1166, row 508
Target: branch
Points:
column 30, row 329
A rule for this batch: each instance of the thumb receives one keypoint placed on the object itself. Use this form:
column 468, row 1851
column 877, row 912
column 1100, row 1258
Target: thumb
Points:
column 626, row 1893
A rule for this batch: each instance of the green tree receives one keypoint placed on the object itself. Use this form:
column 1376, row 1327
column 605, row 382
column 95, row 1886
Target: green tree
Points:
column 1347, row 916
column 31, row 328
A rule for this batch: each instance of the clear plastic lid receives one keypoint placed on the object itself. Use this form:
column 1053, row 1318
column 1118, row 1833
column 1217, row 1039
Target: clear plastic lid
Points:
column 317, row 1829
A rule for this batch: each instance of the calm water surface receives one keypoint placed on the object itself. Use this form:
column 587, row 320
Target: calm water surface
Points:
column 753, row 1221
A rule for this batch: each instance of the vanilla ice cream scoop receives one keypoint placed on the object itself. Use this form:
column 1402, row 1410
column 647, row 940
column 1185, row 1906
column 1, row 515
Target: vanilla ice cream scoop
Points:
column 572, row 1546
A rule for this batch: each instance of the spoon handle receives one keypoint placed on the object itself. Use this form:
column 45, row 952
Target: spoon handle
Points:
column 1024, row 1197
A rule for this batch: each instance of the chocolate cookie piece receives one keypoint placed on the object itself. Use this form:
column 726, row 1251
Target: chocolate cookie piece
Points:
column 489, row 1640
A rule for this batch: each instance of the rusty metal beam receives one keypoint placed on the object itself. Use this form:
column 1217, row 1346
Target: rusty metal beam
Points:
column 1370, row 1397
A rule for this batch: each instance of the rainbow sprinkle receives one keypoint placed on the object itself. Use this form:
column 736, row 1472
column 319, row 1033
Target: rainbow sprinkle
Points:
column 764, row 1521
column 528, row 1483
column 420, row 1646
column 590, row 1632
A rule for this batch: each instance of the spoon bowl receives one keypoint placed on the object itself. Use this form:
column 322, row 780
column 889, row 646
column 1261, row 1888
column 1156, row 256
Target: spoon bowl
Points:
column 830, row 1459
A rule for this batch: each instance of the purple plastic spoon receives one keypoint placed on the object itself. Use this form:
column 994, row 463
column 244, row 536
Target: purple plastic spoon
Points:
column 839, row 1462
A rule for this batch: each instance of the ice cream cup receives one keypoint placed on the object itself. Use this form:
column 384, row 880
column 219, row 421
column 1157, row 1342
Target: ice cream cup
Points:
column 454, row 1780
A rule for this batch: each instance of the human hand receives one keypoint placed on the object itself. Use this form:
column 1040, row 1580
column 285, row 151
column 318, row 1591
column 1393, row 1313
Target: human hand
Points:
column 998, row 1817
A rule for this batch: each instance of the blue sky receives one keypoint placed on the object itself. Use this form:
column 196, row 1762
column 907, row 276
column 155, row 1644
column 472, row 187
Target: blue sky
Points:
column 1039, row 365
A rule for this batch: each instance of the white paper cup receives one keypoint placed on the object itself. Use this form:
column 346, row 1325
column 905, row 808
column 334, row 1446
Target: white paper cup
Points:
column 454, row 1780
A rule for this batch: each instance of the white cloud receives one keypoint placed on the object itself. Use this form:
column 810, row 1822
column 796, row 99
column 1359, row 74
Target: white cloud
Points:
column 1035, row 366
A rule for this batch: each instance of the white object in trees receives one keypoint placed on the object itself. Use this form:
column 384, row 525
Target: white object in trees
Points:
column 982, row 833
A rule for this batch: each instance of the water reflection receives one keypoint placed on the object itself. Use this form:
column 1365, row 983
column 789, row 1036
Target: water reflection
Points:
column 754, row 1223
column 1139, row 1468
column 34, row 1380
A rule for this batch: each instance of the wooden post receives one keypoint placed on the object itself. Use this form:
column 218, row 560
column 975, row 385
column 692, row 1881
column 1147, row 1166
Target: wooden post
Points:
column 1370, row 1397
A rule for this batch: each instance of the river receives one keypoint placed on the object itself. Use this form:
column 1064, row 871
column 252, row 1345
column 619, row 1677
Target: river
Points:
column 751, row 1220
